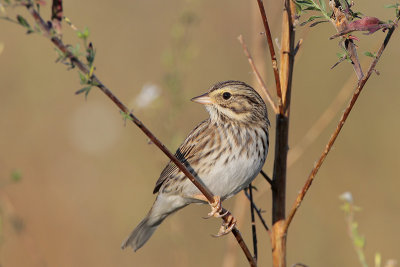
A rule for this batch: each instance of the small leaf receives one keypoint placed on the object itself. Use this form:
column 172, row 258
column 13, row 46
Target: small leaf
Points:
column 86, row 32
column 16, row 176
column 82, row 77
column 310, row 19
column 322, row 4
column 359, row 241
column 85, row 90
column 91, row 71
column 22, row 21
column 369, row 54
column 392, row 6
column 317, row 22
column 125, row 115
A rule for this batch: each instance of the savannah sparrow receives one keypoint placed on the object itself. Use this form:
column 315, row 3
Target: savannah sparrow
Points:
column 225, row 152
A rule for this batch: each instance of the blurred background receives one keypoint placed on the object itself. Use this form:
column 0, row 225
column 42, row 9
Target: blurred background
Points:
column 75, row 179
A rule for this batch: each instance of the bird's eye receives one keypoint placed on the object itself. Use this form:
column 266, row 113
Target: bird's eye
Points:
column 226, row 95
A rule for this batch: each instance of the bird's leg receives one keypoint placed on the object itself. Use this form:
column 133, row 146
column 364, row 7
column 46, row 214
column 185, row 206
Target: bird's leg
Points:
column 216, row 209
column 228, row 224
column 219, row 212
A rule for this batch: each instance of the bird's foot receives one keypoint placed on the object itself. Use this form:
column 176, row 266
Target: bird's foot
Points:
column 228, row 224
column 216, row 209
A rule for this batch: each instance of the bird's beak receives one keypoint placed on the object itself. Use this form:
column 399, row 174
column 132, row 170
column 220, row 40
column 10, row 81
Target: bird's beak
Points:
column 202, row 99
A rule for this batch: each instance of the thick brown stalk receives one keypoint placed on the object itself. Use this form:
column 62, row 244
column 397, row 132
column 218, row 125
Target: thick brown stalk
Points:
column 271, row 49
column 281, row 141
column 339, row 127
column 84, row 68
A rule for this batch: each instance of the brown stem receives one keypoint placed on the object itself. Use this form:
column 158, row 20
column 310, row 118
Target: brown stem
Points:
column 281, row 142
column 340, row 20
column 257, row 73
column 339, row 127
column 287, row 54
column 322, row 123
column 271, row 49
column 258, row 211
column 57, row 15
column 253, row 223
column 82, row 67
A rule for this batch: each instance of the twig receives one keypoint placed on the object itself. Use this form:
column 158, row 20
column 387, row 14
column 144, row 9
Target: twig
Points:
column 340, row 20
column 271, row 50
column 240, row 209
column 253, row 224
column 320, row 125
column 298, row 45
column 266, row 178
column 258, row 76
column 82, row 67
column 339, row 127
column 258, row 211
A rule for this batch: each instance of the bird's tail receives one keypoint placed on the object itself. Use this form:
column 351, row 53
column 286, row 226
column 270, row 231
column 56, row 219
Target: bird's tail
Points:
column 141, row 233
column 162, row 207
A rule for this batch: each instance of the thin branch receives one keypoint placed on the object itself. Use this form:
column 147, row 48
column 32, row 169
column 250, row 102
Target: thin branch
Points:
column 253, row 224
column 271, row 49
column 266, row 177
column 340, row 20
column 339, row 127
column 82, row 67
column 57, row 15
column 258, row 76
column 323, row 121
column 258, row 211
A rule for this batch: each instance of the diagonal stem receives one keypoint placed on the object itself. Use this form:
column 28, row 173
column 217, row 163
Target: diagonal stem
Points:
column 257, row 73
column 335, row 134
column 258, row 211
column 271, row 49
column 82, row 67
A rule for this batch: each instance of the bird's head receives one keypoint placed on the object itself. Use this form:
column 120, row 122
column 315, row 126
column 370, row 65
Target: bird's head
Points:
column 234, row 101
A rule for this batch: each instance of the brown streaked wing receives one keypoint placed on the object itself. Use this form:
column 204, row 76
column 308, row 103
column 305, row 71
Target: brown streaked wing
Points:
column 183, row 153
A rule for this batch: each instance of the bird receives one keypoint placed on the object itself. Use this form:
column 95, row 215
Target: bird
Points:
column 224, row 152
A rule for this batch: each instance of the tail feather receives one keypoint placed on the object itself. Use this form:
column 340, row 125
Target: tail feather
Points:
column 162, row 207
column 141, row 234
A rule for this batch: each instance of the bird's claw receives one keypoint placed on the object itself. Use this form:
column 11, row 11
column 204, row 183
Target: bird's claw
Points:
column 227, row 226
column 216, row 208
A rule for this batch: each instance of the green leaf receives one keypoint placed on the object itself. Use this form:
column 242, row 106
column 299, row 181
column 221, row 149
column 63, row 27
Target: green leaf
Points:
column 86, row 32
column 83, row 34
column 369, row 54
column 83, row 78
column 22, row 21
column 90, row 54
column 85, row 90
column 311, row 19
column 392, row 6
column 359, row 241
column 125, row 116
column 16, row 176
column 317, row 22
column 322, row 4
